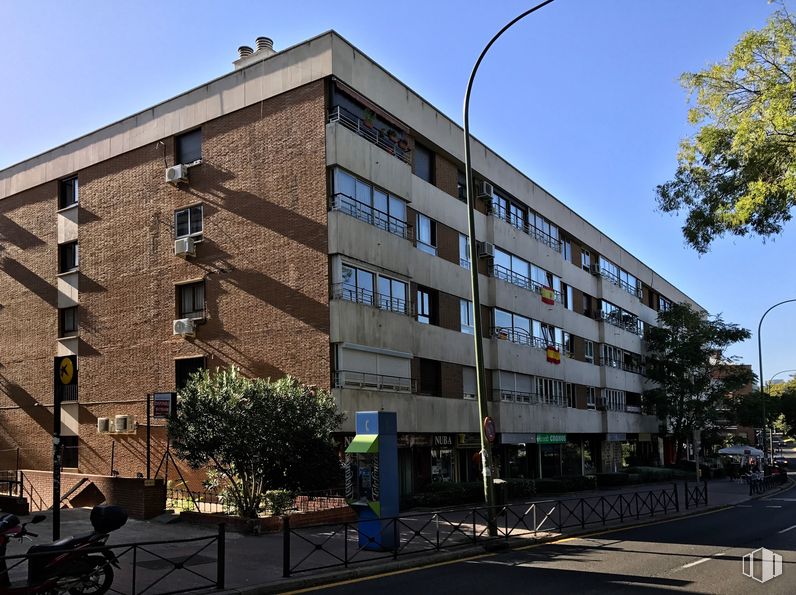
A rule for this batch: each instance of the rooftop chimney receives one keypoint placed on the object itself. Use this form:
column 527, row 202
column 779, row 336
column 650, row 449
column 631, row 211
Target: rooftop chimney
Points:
column 265, row 43
column 245, row 51
column 265, row 48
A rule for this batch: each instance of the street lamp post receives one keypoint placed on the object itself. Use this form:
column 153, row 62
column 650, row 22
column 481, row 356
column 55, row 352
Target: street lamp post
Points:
column 760, row 361
column 483, row 410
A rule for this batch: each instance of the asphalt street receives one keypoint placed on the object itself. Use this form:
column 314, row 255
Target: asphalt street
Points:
column 696, row 554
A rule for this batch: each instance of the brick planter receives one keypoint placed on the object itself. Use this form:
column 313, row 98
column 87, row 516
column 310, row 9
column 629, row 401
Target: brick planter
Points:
column 270, row 524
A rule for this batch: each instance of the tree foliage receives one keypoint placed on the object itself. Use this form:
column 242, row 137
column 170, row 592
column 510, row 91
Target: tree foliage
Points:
column 256, row 434
column 689, row 371
column 737, row 174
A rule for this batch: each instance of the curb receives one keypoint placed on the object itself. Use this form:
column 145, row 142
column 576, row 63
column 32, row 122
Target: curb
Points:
column 431, row 560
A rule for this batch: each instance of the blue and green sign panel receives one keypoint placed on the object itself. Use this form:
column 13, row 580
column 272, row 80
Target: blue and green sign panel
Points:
column 551, row 438
column 372, row 477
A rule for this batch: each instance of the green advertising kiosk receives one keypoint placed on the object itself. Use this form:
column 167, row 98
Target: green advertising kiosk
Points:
column 372, row 478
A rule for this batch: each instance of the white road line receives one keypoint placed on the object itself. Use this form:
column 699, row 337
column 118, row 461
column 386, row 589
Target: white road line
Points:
column 689, row 565
column 788, row 529
column 743, row 506
column 774, row 506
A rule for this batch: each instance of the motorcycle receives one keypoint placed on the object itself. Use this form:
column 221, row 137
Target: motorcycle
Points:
column 79, row 565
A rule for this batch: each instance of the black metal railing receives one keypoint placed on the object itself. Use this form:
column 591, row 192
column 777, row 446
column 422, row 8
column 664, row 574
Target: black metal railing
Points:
column 627, row 322
column 364, row 212
column 381, row 138
column 501, row 272
column 349, row 293
column 348, row 544
column 10, row 483
column 523, row 337
column 760, row 484
column 163, row 567
column 633, row 367
column 368, row 381
column 539, row 235
column 206, row 501
column 696, row 494
column 609, row 276
column 512, row 396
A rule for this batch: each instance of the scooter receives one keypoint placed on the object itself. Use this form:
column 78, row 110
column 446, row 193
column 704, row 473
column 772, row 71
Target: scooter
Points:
column 80, row 565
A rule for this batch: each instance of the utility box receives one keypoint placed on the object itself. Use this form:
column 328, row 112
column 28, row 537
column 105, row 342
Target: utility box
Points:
column 372, row 478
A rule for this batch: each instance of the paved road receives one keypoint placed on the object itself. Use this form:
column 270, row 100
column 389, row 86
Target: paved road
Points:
column 699, row 554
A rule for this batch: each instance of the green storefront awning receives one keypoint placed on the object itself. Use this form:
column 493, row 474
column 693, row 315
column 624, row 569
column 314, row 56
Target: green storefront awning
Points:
column 364, row 443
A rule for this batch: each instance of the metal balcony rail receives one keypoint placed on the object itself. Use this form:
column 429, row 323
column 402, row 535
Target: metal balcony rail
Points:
column 500, row 272
column 626, row 322
column 510, row 396
column 364, row 212
column 616, row 280
column 632, row 367
column 523, row 337
column 343, row 291
column 345, row 545
column 163, row 567
column 370, row 133
column 539, row 235
column 368, row 381
column 633, row 408
column 760, row 484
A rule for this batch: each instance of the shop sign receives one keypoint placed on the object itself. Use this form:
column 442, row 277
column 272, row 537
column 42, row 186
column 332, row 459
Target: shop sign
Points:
column 407, row 440
column 443, row 440
column 468, row 440
column 551, row 438
column 615, row 437
column 513, row 438
column 162, row 405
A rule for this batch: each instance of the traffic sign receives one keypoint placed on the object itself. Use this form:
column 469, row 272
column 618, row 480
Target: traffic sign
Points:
column 489, row 429
column 66, row 370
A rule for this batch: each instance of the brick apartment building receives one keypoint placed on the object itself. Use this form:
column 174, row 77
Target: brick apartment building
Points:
column 314, row 226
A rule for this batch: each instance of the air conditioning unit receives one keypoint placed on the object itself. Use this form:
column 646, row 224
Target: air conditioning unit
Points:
column 184, row 327
column 601, row 314
column 484, row 190
column 103, row 425
column 176, row 174
column 595, row 269
column 124, row 424
column 184, row 247
column 486, row 250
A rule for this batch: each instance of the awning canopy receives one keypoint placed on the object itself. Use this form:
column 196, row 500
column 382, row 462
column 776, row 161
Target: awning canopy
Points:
column 364, row 443
column 741, row 449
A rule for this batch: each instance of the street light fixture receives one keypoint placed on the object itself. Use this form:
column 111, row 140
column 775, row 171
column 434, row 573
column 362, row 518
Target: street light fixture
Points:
column 760, row 356
column 480, row 373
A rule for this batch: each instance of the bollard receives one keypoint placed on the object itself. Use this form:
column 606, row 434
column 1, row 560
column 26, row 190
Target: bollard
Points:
column 221, row 556
column 285, row 546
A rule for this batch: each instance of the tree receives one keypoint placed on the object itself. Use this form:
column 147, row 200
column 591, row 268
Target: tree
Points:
column 737, row 174
column 690, row 373
column 256, row 434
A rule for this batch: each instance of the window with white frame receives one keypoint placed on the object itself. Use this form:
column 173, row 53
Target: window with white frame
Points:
column 569, row 300
column 513, row 386
column 464, row 250
column 591, row 400
column 610, row 356
column 585, row 260
column 613, row 400
column 188, row 222
column 466, row 316
column 569, row 390
column 588, row 351
column 469, row 384
column 426, row 234
column 566, row 250
column 549, row 391
column 366, row 287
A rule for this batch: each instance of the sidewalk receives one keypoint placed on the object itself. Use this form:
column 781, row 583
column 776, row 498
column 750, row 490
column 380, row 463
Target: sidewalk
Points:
column 258, row 560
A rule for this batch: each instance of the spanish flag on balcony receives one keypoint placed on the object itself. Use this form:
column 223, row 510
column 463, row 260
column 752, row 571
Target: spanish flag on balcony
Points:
column 548, row 295
column 553, row 355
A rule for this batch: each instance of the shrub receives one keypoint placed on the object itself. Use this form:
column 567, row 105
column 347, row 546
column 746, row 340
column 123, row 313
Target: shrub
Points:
column 278, row 501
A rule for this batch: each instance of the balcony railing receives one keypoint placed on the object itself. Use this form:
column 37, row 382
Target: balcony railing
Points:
column 364, row 212
column 368, row 381
column 370, row 133
column 627, row 322
column 631, row 367
column 533, row 231
column 510, row 396
column 611, row 277
column 501, row 272
column 523, row 337
column 633, row 408
column 342, row 291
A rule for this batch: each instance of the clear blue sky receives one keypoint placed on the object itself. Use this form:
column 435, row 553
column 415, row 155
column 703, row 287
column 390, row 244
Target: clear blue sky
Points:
column 582, row 96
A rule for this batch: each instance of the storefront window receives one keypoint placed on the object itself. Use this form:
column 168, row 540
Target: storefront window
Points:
column 442, row 464
column 551, row 460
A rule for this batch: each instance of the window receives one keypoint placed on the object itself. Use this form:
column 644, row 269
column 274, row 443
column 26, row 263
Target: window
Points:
column 67, row 321
column 469, row 383
column 512, row 269
column 591, row 401
column 609, row 269
column 429, row 377
column 426, row 305
column 588, row 351
column 189, row 146
column 585, row 260
column 663, row 304
column 369, row 203
column 517, row 216
column 461, row 185
column 567, row 344
column 587, row 304
column 191, row 300
column 613, row 400
column 67, row 193
column 566, row 250
column 466, row 315
column 464, row 250
column 549, row 391
column 513, row 386
column 424, row 163
column 569, row 391
column 68, row 257
column 569, row 301
column 69, row 452
column 360, row 286
column 392, row 295
column 610, row 356
column 188, row 222
column 183, row 368
column 426, row 234
column 512, row 327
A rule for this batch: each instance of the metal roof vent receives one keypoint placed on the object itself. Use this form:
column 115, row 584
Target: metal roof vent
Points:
column 245, row 51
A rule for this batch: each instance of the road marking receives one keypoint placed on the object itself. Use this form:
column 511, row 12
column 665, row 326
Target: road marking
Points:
column 701, row 561
column 788, row 529
column 743, row 506
column 773, row 506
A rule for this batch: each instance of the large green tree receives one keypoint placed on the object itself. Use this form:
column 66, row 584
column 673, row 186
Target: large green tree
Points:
column 256, row 435
column 689, row 373
column 737, row 174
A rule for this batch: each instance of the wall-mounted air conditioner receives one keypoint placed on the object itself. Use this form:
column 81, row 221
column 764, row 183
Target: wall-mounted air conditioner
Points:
column 184, row 247
column 103, row 425
column 123, row 424
column 484, row 190
column 486, row 250
column 184, row 327
column 595, row 269
column 177, row 174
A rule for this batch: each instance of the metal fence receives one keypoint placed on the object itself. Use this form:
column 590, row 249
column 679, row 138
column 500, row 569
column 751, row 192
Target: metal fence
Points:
column 163, row 567
column 345, row 544
column 215, row 502
column 760, row 485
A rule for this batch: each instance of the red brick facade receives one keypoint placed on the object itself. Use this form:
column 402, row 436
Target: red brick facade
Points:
column 263, row 260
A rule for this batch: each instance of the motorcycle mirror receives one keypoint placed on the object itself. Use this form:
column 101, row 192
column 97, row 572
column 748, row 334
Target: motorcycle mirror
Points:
column 38, row 519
